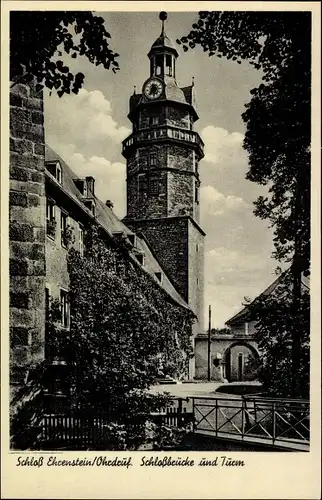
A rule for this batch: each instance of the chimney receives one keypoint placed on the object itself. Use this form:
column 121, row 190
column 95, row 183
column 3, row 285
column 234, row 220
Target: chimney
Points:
column 109, row 204
column 90, row 181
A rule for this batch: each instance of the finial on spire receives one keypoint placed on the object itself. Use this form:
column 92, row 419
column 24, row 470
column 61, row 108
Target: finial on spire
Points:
column 193, row 81
column 163, row 16
column 134, row 92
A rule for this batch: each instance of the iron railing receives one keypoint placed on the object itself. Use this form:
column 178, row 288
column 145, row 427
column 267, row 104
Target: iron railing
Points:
column 279, row 422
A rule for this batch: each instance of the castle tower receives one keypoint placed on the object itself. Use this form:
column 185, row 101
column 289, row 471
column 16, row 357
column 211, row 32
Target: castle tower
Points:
column 162, row 153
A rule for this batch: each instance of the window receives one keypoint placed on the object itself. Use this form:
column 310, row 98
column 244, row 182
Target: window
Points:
column 158, row 275
column 158, row 65
column 55, row 169
column 131, row 238
column 197, row 193
column 141, row 186
column 140, row 258
column 154, row 120
column 63, row 227
column 58, row 173
column 90, row 204
column 64, row 308
column 246, row 328
column 47, row 301
column 81, row 186
column 50, row 218
column 154, row 187
column 153, row 159
column 81, row 241
column 168, row 64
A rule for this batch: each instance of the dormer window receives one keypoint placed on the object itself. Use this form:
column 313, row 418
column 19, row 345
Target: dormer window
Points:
column 132, row 239
column 246, row 328
column 159, row 276
column 81, row 186
column 140, row 258
column 90, row 204
column 54, row 168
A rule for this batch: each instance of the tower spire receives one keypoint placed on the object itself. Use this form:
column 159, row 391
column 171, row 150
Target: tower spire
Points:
column 162, row 16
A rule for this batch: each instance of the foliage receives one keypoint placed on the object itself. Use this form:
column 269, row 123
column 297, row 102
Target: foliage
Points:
column 68, row 237
column 37, row 36
column 277, row 139
column 274, row 320
column 165, row 436
column 121, row 322
column 221, row 331
column 277, row 118
column 51, row 227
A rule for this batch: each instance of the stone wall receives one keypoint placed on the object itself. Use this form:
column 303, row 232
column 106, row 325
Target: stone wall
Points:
column 168, row 238
column 219, row 349
column 196, row 274
column 26, row 231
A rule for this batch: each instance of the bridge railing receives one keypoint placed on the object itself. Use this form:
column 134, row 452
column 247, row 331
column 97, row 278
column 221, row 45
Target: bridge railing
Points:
column 284, row 422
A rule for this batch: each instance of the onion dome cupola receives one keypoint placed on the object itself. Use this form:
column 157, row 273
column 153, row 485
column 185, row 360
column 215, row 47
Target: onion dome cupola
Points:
column 163, row 54
column 161, row 84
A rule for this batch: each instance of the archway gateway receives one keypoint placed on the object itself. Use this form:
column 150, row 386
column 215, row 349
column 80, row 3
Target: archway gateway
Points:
column 238, row 362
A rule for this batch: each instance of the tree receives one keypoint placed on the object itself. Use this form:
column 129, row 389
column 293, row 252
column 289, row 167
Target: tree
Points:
column 121, row 324
column 278, row 132
column 37, row 36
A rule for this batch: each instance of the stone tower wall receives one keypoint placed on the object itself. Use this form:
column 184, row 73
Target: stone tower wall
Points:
column 26, row 232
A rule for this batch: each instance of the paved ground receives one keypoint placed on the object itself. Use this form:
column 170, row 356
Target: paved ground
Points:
column 197, row 389
column 184, row 390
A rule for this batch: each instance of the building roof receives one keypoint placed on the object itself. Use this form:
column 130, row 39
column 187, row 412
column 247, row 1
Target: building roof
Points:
column 107, row 219
column 242, row 315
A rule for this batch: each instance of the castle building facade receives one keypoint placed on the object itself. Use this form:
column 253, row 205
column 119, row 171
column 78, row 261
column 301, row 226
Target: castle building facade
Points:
column 51, row 208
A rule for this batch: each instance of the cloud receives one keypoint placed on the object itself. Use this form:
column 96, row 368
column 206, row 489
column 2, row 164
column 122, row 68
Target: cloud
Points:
column 233, row 275
column 221, row 147
column 83, row 119
column 110, row 178
column 214, row 203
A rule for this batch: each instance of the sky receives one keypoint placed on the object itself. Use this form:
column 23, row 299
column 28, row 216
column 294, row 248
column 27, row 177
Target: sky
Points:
column 87, row 131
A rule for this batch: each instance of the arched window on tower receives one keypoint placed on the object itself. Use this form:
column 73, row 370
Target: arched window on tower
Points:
column 158, row 65
column 152, row 159
column 154, row 186
column 168, row 65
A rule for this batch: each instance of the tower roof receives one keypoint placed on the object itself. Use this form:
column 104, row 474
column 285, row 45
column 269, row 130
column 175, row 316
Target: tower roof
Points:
column 163, row 41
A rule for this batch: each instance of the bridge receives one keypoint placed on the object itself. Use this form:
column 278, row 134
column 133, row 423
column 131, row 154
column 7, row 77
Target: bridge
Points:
column 212, row 423
column 277, row 424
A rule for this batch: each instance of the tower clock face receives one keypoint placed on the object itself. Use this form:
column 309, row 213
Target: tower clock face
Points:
column 153, row 88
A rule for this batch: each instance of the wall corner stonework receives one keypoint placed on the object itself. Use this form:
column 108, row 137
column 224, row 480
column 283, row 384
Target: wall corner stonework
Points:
column 27, row 220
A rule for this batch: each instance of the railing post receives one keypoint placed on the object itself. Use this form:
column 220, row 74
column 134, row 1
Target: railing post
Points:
column 194, row 416
column 274, row 423
column 216, row 415
column 179, row 415
column 243, row 418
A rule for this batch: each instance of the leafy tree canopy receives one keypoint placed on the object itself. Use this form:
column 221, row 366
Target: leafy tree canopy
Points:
column 36, row 36
column 277, row 118
column 275, row 319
